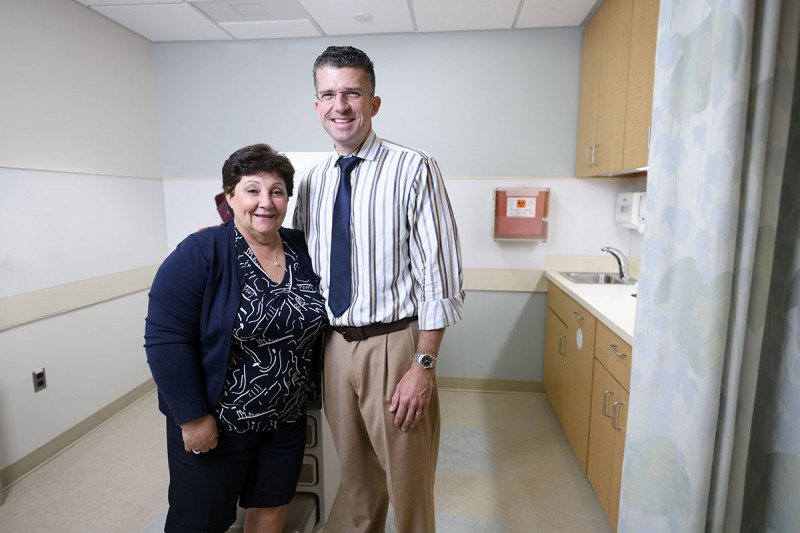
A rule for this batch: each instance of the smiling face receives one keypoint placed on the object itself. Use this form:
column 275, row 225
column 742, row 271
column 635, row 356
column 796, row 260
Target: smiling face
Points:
column 348, row 121
column 259, row 205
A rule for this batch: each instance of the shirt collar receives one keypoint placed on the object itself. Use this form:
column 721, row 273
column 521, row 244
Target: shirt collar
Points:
column 368, row 149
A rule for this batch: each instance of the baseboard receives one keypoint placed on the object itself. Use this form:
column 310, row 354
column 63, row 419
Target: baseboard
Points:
column 489, row 385
column 19, row 469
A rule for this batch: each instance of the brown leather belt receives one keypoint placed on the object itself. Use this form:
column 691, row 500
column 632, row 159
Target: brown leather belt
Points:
column 359, row 333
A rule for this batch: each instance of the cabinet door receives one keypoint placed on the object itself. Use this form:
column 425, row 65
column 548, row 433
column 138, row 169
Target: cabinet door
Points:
column 574, row 381
column 578, row 379
column 590, row 82
column 610, row 135
column 640, row 84
column 605, row 390
column 554, row 362
column 619, row 423
column 607, row 440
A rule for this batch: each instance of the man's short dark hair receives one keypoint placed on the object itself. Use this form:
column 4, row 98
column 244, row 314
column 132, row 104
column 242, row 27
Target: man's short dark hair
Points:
column 344, row 57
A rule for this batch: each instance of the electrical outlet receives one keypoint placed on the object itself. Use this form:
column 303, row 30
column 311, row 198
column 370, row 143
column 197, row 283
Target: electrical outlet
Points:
column 39, row 380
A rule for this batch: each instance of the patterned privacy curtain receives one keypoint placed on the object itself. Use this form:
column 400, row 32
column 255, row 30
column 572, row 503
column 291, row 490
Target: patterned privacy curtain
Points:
column 713, row 436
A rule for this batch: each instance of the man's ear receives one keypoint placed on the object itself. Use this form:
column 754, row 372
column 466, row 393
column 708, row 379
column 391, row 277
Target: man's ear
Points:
column 376, row 105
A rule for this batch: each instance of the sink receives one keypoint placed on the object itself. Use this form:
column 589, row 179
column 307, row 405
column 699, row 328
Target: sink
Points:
column 596, row 278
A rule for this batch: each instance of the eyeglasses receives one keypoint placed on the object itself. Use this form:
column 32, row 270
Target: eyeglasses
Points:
column 351, row 95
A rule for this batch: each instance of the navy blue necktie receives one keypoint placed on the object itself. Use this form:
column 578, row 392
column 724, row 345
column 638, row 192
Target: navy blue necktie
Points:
column 339, row 290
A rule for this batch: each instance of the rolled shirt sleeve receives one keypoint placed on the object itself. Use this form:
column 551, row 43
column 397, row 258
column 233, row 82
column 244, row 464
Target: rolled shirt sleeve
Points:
column 435, row 251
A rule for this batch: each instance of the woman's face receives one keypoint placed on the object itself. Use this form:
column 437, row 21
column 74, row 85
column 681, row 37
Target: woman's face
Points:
column 259, row 205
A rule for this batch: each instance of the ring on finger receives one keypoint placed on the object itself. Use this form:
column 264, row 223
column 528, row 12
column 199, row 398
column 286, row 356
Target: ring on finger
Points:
column 420, row 412
column 196, row 452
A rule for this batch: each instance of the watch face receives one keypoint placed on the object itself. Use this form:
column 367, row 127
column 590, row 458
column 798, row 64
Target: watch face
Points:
column 426, row 360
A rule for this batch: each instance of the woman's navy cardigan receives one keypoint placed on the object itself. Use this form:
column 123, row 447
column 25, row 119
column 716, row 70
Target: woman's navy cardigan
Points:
column 192, row 307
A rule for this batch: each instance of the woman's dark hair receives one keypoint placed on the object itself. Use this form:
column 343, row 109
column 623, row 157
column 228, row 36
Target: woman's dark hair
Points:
column 344, row 57
column 255, row 160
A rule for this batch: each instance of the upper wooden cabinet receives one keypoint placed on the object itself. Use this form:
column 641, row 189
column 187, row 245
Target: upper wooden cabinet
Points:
column 590, row 82
column 616, row 93
column 641, row 69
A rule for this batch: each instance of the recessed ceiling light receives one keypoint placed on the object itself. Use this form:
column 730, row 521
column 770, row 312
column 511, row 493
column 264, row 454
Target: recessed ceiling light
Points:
column 362, row 16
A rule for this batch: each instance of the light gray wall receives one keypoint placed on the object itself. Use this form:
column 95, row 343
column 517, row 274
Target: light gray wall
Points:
column 496, row 103
column 78, row 114
column 82, row 226
column 500, row 337
column 490, row 106
column 78, row 100
column 77, row 92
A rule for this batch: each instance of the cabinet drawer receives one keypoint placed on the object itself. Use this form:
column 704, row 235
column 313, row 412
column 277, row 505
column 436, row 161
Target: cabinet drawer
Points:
column 564, row 306
column 614, row 353
column 559, row 302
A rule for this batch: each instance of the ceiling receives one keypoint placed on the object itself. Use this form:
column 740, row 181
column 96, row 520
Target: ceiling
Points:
column 214, row 20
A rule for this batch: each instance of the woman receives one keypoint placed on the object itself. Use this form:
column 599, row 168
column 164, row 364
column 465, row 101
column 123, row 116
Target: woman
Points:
column 232, row 321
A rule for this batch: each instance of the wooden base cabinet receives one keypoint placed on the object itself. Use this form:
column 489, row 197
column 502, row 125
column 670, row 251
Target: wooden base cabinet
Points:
column 569, row 352
column 587, row 369
column 609, row 413
column 607, row 440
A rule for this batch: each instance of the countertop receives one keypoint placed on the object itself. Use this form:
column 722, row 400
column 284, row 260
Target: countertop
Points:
column 613, row 305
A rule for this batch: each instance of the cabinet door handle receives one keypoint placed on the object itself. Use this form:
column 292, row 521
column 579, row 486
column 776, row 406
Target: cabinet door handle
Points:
column 615, row 349
column 614, row 415
column 588, row 161
column 605, row 402
column 561, row 340
column 594, row 155
column 577, row 315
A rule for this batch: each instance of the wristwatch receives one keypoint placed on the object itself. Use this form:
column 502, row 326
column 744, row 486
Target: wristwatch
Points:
column 425, row 360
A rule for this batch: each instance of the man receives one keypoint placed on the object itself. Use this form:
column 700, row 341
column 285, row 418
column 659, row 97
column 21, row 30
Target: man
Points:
column 383, row 239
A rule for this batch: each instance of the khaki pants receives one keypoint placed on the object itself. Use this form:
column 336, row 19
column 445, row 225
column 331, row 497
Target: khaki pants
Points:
column 379, row 462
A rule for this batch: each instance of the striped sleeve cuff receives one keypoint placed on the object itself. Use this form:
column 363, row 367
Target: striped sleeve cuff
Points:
column 437, row 314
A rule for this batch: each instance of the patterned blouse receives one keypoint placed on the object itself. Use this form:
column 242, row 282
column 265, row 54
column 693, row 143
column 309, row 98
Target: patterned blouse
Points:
column 269, row 369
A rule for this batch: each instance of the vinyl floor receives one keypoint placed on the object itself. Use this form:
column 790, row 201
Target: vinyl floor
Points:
column 504, row 467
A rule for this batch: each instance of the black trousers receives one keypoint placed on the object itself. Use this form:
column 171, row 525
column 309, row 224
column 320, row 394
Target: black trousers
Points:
column 253, row 469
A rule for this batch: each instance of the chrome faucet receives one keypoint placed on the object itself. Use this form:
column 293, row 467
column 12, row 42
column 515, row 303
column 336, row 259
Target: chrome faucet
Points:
column 622, row 261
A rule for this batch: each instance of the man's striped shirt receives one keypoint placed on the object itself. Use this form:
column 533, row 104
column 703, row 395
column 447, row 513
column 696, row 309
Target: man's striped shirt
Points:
column 406, row 258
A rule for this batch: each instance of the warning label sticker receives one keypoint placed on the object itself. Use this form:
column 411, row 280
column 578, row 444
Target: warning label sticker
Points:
column 521, row 207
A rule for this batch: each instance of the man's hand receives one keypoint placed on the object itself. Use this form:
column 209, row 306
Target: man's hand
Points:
column 200, row 434
column 411, row 397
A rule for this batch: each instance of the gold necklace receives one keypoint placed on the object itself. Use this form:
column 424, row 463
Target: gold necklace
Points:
column 275, row 259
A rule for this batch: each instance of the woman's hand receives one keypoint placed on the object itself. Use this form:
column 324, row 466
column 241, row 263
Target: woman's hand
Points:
column 200, row 434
